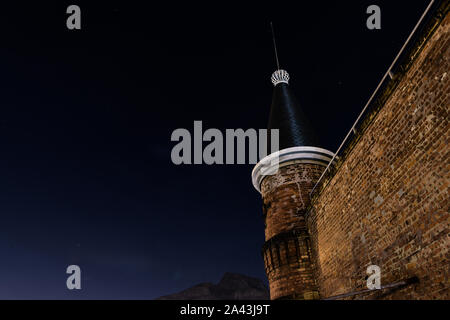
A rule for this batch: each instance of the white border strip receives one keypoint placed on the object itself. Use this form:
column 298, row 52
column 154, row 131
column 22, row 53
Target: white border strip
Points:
column 271, row 163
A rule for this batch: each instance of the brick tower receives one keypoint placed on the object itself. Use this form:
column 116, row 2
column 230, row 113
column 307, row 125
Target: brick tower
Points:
column 287, row 250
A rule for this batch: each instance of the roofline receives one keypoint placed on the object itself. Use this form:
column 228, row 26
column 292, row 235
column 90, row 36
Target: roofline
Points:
column 427, row 24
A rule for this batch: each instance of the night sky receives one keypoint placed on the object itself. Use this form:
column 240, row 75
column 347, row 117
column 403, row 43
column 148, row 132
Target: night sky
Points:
column 86, row 118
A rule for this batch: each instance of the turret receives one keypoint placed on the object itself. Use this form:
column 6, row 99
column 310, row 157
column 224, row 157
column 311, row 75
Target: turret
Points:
column 286, row 195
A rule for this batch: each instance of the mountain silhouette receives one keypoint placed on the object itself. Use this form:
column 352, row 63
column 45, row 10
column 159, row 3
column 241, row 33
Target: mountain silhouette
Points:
column 232, row 286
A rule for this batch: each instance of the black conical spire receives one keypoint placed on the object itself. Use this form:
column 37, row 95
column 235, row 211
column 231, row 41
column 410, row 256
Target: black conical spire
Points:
column 287, row 115
column 297, row 142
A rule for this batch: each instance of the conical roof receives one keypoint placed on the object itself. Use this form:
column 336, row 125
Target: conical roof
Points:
column 297, row 140
column 287, row 115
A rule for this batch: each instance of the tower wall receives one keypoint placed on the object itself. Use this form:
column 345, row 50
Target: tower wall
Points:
column 287, row 251
column 388, row 203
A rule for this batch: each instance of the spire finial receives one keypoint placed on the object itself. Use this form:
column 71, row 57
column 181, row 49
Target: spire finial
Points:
column 275, row 45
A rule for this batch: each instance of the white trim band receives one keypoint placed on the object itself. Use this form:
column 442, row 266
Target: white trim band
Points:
column 270, row 164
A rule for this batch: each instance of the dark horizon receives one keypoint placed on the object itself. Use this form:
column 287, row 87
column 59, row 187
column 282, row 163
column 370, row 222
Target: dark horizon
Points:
column 86, row 121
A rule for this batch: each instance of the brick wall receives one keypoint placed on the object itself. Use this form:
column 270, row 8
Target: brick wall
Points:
column 287, row 251
column 388, row 204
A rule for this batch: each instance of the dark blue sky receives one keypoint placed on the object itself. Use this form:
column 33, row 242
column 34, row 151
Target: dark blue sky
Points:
column 86, row 118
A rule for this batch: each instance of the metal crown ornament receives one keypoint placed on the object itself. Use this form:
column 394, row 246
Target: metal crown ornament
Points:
column 280, row 76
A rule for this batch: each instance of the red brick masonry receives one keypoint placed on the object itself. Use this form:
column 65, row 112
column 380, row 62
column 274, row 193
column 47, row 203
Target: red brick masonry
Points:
column 287, row 256
column 388, row 204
